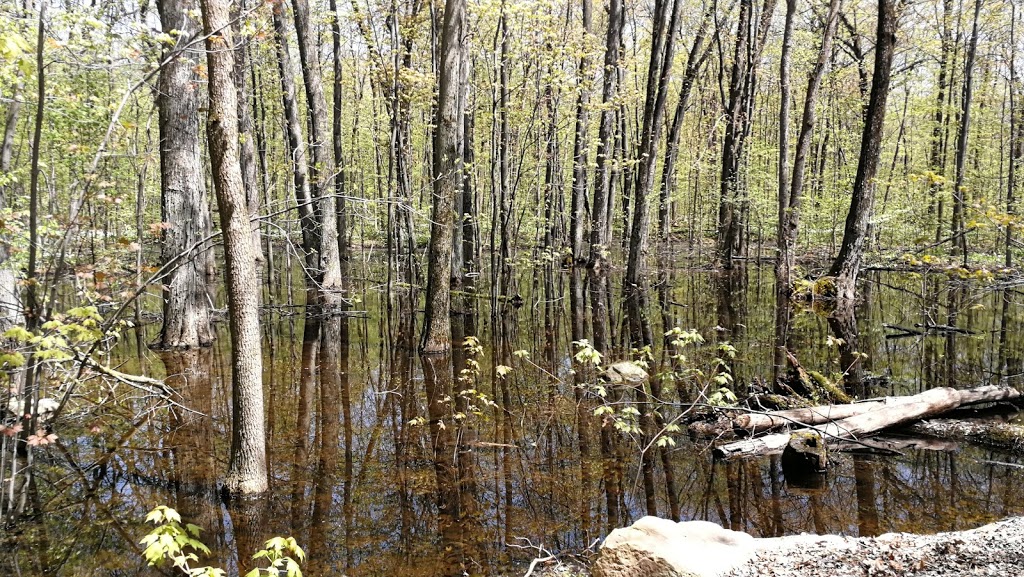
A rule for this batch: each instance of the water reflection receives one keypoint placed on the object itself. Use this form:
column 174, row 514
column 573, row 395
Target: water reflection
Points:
column 386, row 463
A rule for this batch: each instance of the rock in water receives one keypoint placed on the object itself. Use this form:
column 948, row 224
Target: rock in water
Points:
column 654, row 547
column 625, row 373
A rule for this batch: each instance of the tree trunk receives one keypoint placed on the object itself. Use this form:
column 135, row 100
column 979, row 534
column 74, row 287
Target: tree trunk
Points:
column 937, row 157
column 783, row 265
column 447, row 164
column 296, row 147
column 790, row 200
column 733, row 204
column 186, row 322
column 247, row 469
column 599, row 225
column 1016, row 150
column 963, row 132
column 322, row 170
column 658, row 75
column 579, row 149
column 847, row 265
column 694, row 62
column 246, row 142
column 336, row 132
column 10, row 304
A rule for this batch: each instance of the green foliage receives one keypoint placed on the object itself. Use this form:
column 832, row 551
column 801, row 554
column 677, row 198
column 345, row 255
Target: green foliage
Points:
column 177, row 543
column 586, row 354
column 170, row 541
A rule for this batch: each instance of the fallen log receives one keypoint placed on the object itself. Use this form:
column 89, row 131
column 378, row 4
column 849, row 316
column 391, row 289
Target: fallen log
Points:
column 754, row 423
column 927, row 404
column 1007, row 437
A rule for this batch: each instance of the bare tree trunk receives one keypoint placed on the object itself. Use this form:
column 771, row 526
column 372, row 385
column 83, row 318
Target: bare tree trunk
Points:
column 1016, row 148
column 847, row 265
column 10, row 304
column 325, row 208
column 577, row 216
column 937, row 158
column 246, row 142
column 728, row 213
column 791, row 199
column 296, row 147
column 659, row 73
column 186, row 322
column 599, row 225
column 336, row 132
column 470, row 215
column 963, row 133
column 247, row 470
column 447, row 163
column 694, row 62
column 784, row 85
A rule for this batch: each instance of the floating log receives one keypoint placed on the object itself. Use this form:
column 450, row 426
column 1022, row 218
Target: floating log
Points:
column 1004, row 436
column 927, row 404
column 754, row 423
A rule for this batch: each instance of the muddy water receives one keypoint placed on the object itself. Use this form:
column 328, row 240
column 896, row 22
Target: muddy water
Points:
column 384, row 463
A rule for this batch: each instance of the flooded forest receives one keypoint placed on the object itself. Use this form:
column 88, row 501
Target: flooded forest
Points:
column 458, row 287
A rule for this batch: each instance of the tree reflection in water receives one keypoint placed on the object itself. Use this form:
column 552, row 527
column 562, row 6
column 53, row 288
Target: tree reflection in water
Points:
column 369, row 490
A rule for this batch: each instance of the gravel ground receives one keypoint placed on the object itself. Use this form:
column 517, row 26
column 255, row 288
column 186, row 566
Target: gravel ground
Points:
column 992, row 550
column 995, row 550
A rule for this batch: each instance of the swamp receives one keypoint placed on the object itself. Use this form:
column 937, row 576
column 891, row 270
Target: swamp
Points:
column 460, row 287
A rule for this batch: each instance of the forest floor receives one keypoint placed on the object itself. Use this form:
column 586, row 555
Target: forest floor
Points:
column 993, row 550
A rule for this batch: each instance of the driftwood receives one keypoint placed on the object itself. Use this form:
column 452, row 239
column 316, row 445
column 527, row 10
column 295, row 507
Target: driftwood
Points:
column 1004, row 436
column 754, row 423
column 927, row 404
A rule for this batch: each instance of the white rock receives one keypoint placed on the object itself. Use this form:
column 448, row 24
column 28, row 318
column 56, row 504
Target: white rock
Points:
column 654, row 547
column 625, row 373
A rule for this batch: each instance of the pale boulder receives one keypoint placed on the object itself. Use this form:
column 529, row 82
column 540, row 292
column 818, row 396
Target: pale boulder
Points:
column 654, row 547
column 625, row 373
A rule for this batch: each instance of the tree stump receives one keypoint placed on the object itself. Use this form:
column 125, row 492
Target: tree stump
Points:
column 805, row 455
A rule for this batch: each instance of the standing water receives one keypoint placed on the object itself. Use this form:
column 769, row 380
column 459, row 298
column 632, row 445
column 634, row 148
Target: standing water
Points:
column 383, row 463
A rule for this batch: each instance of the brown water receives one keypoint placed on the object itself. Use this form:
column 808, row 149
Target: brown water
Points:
column 379, row 466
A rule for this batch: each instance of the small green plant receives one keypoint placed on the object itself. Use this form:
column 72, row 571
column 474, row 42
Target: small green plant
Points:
column 179, row 544
column 586, row 354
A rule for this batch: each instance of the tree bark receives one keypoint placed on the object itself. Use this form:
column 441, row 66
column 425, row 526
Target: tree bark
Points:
column 336, row 132
column 846, row 267
column 322, row 170
column 791, row 199
column 733, row 204
column 10, row 304
column 296, row 146
column 1016, row 150
column 246, row 142
column 694, row 62
column 186, row 322
column 658, row 75
column 962, row 136
column 447, row 162
column 577, row 218
column 937, row 157
column 247, row 469
column 786, row 97
column 599, row 225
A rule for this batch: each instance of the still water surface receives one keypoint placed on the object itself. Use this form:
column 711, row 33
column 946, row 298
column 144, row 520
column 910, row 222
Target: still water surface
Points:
column 380, row 467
